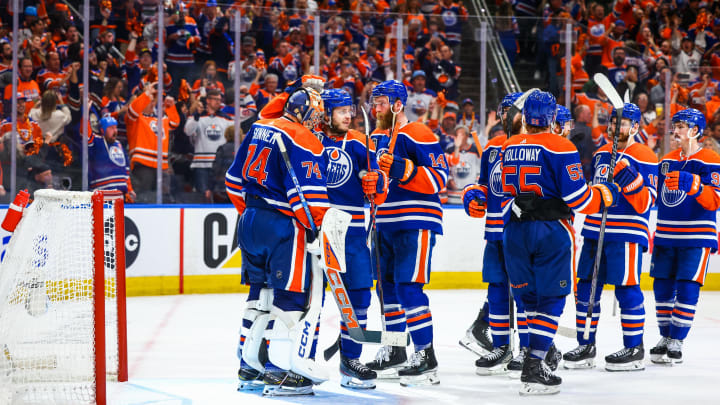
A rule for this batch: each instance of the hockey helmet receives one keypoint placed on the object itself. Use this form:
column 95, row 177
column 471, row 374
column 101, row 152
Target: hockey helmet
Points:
column 393, row 89
column 539, row 109
column 334, row 98
column 630, row 111
column 305, row 105
column 107, row 122
column 693, row 118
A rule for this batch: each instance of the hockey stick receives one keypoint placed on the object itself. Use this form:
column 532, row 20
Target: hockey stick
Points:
column 602, row 81
column 371, row 240
column 515, row 109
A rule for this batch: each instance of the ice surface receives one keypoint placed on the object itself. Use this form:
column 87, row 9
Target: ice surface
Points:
column 182, row 351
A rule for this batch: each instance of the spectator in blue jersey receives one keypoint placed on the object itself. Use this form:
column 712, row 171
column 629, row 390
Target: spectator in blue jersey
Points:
column 453, row 16
column 108, row 162
column 182, row 38
column 444, row 75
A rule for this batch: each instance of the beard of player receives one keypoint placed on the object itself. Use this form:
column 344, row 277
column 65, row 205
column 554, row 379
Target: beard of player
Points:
column 624, row 134
column 384, row 120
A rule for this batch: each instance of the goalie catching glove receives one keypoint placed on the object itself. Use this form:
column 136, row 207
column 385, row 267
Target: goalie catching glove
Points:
column 684, row 181
column 397, row 168
column 474, row 200
column 629, row 180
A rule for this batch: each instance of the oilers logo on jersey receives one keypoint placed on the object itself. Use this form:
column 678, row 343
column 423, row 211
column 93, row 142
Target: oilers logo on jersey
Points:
column 339, row 167
column 213, row 132
column 449, row 18
column 117, row 155
column 496, row 185
column 672, row 198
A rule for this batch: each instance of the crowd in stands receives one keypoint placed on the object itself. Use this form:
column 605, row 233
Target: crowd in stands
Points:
column 635, row 42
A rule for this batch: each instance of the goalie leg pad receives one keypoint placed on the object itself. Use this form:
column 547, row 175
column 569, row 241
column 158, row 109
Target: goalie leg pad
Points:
column 254, row 323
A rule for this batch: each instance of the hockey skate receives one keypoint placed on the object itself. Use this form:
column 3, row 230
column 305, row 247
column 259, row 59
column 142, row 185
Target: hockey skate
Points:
column 495, row 362
column 477, row 339
column 388, row 361
column 626, row 359
column 515, row 365
column 422, row 369
column 553, row 357
column 658, row 354
column 355, row 374
column 580, row 357
column 537, row 379
column 250, row 379
column 279, row 383
column 674, row 351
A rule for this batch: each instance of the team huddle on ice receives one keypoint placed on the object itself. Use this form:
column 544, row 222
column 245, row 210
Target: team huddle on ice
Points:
column 300, row 170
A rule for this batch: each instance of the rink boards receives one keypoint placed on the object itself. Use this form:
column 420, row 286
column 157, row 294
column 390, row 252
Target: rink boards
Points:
column 191, row 249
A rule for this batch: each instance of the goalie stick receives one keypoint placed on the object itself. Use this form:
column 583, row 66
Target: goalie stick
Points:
column 602, row 81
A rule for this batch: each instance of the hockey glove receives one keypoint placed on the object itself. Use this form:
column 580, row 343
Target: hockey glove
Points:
column 474, row 201
column 684, row 181
column 627, row 177
column 609, row 193
column 374, row 182
column 397, row 167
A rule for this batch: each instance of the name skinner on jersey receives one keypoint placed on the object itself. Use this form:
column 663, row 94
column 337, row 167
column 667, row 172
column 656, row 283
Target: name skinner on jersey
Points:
column 264, row 134
column 531, row 155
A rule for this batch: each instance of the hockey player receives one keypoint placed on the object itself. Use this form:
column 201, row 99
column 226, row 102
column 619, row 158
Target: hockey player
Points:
column 488, row 196
column 626, row 238
column 272, row 232
column 686, row 232
column 543, row 172
column 407, row 225
column 564, row 122
column 274, row 108
column 348, row 182
column 478, row 338
column 108, row 163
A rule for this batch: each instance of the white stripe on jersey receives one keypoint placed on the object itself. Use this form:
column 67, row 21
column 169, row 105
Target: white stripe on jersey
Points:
column 676, row 236
column 685, row 223
column 408, row 218
column 411, row 202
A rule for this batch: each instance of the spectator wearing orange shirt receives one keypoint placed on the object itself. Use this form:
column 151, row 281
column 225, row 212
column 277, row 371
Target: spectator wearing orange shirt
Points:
column 26, row 86
column 613, row 39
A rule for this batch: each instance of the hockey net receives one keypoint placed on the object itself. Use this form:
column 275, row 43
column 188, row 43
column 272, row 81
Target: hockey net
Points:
column 62, row 300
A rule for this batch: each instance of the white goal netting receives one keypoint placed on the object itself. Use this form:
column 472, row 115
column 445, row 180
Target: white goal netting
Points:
column 47, row 315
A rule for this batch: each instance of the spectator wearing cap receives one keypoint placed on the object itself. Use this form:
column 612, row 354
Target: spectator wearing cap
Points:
column 688, row 60
column 446, row 131
column 26, row 86
column 468, row 119
column 420, row 98
column 108, row 162
column 612, row 39
column 206, row 133
column 39, row 176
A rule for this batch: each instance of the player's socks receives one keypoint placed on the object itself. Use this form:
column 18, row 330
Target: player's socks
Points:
column 499, row 317
column 495, row 362
column 421, row 369
column 626, row 359
column 632, row 314
column 664, row 291
column 683, row 312
column 355, row 374
column 583, row 300
column 580, row 357
column 417, row 311
column 394, row 314
column 658, row 353
column 538, row 379
column 477, row 338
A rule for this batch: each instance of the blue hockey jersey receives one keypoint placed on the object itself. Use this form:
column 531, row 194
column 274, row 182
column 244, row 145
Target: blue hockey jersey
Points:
column 108, row 165
column 685, row 221
column 547, row 166
column 498, row 204
column 628, row 221
column 259, row 169
column 346, row 159
column 414, row 204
